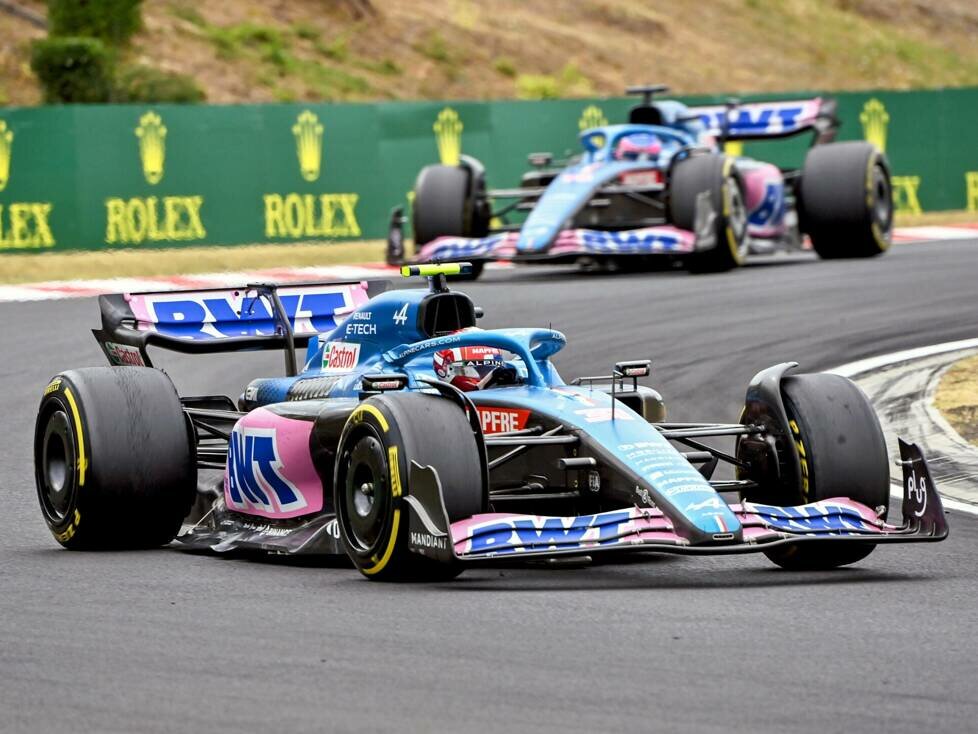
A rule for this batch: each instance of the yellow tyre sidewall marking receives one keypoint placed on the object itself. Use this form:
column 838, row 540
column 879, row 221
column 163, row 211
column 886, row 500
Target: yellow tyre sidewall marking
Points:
column 731, row 240
column 76, row 416
column 883, row 243
column 802, row 459
column 395, row 473
column 357, row 415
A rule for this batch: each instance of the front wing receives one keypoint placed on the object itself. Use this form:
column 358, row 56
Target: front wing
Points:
column 660, row 240
column 496, row 536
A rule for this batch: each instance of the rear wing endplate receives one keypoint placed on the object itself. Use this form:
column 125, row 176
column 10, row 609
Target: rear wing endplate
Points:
column 250, row 317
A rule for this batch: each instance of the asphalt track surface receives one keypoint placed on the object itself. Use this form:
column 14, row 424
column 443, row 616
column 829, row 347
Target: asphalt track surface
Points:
column 163, row 641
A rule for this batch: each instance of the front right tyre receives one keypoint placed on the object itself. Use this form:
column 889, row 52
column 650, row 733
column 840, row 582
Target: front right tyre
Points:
column 841, row 452
column 715, row 176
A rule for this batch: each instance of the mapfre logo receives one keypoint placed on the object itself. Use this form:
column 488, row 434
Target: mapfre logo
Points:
column 503, row 420
column 340, row 357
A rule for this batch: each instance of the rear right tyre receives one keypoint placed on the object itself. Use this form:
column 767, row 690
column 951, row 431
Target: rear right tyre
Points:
column 448, row 203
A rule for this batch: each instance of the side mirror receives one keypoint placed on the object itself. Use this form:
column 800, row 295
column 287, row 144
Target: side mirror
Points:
column 384, row 382
column 540, row 159
column 635, row 368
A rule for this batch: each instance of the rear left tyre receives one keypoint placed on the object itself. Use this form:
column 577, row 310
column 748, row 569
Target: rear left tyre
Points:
column 114, row 458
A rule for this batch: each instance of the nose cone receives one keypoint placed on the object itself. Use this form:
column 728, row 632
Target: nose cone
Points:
column 534, row 239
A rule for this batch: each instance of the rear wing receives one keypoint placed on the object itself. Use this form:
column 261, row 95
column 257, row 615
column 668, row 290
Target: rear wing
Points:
column 250, row 317
column 768, row 120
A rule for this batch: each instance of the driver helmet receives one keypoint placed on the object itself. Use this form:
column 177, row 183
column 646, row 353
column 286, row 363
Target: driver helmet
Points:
column 468, row 368
column 638, row 146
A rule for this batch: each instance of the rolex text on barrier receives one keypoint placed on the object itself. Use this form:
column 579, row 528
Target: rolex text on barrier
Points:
column 121, row 176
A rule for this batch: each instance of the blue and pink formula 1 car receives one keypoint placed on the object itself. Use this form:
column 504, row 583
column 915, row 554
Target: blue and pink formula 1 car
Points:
column 369, row 450
column 661, row 187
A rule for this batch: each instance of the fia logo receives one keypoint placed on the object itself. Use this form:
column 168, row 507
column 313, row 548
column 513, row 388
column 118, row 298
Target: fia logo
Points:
column 6, row 149
column 308, row 132
column 152, row 146
column 253, row 478
column 875, row 119
column 448, row 135
column 591, row 117
column 917, row 493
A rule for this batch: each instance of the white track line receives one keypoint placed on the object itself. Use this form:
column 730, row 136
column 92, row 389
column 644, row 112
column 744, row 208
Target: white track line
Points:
column 858, row 367
column 852, row 369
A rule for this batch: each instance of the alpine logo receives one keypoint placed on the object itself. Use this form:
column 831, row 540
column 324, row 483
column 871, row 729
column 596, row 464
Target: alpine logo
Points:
column 254, row 478
column 340, row 357
column 503, row 420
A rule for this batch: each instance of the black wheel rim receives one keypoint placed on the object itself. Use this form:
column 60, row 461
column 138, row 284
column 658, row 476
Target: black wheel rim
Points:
column 365, row 497
column 737, row 213
column 882, row 200
column 56, row 474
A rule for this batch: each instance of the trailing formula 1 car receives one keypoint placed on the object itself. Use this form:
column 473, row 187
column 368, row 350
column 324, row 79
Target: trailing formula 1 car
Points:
column 661, row 186
column 418, row 444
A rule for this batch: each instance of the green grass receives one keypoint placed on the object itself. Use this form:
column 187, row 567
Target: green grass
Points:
column 505, row 66
column 337, row 50
column 434, row 47
column 571, row 82
column 305, row 31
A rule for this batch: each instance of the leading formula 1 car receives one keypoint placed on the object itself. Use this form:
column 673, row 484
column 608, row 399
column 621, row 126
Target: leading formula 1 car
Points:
column 377, row 450
column 662, row 187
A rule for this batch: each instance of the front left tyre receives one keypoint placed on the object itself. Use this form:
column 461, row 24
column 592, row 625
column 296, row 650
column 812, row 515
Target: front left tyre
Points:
column 715, row 177
column 384, row 435
column 114, row 458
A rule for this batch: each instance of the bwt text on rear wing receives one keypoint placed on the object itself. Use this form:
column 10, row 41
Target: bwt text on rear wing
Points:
column 255, row 316
column 769, row 120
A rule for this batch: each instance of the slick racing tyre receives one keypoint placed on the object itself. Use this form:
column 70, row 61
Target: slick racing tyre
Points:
column 846, row 200
column 716, row 175
column 114, row 459
column 381, row 439
column 841, row 453
column 447, row 204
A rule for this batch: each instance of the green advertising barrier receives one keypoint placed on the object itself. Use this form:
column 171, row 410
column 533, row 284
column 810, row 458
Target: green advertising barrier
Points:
column 121, row 176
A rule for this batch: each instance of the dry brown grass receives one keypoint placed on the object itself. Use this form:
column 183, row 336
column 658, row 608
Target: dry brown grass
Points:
column 957, row 398
column 959, row 216
column 267, row 50
column 185, row 261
